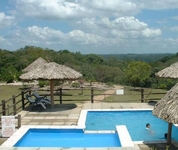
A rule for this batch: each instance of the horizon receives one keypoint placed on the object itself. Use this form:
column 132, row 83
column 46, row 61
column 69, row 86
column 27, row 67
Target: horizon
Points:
column 88, row 26
column 169, row 53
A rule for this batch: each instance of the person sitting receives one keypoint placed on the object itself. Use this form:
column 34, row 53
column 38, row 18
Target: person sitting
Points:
column 148, row 126
column 165, row 135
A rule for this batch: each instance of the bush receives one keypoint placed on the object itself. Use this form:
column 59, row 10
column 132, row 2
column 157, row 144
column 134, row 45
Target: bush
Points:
column 43, row 83
column 75, row 84
column 109, row 84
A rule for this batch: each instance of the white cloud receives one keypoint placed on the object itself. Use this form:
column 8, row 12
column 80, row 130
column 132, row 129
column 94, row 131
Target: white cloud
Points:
column 95, row 25
column 175, row 17
column 84, row 38
column 45, row 33
column 63, row 9
column 47, row 37
column 2, row 40
column 51, row 10
column 157, row 5
column 68, row 9
column 110, row 7
column 175, row 28
column 129, row 23
column 123, row 27
column 151, row 32
column 5, row 21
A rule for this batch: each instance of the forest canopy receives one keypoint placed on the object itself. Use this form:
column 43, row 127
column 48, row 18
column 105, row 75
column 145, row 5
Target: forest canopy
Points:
column 126, row 69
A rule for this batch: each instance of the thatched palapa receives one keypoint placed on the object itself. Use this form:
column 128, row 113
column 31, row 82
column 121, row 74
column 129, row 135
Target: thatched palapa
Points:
column 167, row 107
column 51, row 71
column 169, row 72
column 37, row 63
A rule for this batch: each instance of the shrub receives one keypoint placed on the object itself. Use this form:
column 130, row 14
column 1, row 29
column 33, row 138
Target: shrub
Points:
column 75, row 84
column 43, row 83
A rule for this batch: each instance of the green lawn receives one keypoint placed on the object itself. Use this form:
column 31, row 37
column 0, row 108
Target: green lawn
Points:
column 134, row 95
column 6, row 91
column 77, row 96
column 130, row 95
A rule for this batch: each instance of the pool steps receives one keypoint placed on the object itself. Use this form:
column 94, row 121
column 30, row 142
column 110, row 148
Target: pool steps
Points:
column 124, row 136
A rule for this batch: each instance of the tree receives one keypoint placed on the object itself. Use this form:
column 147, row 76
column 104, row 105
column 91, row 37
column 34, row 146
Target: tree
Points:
column 137, row 73
column 9, row 74
column 94, row 59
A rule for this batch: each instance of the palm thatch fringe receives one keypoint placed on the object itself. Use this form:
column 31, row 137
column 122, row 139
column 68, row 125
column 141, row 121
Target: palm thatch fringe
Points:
column 51, row 71
column 167, row 107
column 169, row 72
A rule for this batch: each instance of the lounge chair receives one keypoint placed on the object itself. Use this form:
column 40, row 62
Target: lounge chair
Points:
column 35, row 102
column 43, row 99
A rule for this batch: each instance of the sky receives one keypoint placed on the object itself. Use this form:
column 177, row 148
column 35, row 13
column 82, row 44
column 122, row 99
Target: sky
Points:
column 90, row 26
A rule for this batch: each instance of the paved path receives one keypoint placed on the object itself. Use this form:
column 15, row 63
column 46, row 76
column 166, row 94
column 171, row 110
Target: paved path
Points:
column 99, row 98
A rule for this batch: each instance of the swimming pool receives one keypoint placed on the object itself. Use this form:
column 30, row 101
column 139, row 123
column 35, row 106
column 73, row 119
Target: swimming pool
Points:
column 131, row 125
column 67, row 138
column 135, row 121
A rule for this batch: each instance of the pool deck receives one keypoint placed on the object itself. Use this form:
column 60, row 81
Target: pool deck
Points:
column 68, row 115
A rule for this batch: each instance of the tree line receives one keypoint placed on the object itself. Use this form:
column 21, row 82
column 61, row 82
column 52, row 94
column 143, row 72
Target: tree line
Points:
column 107, row 69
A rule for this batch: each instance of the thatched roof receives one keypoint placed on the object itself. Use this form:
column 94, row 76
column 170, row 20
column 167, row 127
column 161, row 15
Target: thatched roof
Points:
column 167, row 107
column 169, row 72
column 37, row 63
column 50, row 71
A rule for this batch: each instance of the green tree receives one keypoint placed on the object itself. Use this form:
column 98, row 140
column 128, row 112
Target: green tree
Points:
column 137, row 73
column 9, row 74
column 94, row 59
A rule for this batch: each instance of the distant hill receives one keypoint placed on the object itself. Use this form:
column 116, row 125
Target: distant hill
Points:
column 139, row 57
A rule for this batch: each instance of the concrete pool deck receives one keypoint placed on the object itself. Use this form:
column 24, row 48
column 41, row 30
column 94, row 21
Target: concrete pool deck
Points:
column 68, row 114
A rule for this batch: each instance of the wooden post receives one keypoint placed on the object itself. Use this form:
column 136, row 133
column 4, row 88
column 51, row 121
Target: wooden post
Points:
column 3, row 107
column 92, row 92
column 8, row 109
column 60, row 96
column 19, row 121
column 169, row 133
column 51, row 93
column 81, row 90
column 30, row 92
column 23, row 100
column 142, row 95
column 14, row 104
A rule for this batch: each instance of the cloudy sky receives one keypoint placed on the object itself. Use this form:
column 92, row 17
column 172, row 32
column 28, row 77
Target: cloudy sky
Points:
column 90, row 26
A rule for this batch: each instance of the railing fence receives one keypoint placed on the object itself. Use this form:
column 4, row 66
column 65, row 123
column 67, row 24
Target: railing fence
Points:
column 18, row 103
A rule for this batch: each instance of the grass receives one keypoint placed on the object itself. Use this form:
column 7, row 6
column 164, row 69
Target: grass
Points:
column 6, row 91
column 134, row 95
column 79, row 96
column 69, row 96
column 130, row 94
column 75, row 95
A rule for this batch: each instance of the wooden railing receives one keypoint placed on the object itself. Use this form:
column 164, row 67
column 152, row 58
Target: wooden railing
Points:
column 18, row 103
column 14, row 105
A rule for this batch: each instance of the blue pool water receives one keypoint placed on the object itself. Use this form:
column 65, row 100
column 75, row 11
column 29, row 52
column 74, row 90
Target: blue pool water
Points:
column 67, row 138
column 135, row 122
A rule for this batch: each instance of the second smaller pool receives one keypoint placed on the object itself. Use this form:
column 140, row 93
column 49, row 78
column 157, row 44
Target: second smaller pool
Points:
column 67, row 138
